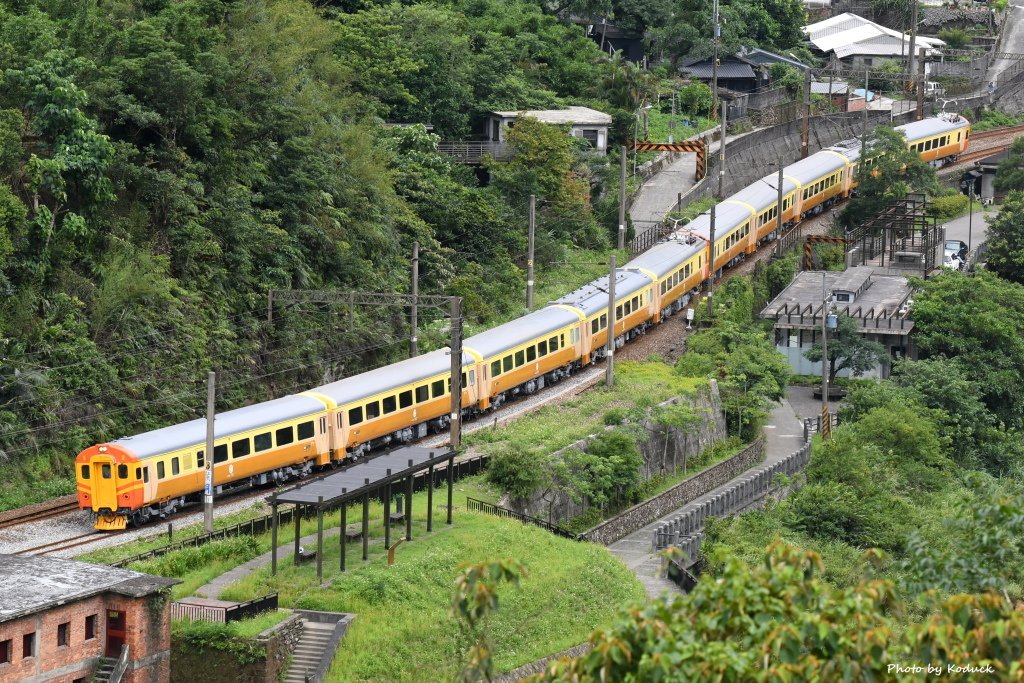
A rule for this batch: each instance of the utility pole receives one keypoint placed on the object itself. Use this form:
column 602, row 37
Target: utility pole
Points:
column 711, row 265
column 414, row 344
column 721, row 151
column 805, row 129
column 824, row 352
column 211, row 388
column 864, row 125
column 718, row 197
column 717, row 34
column 455, row 433
column 913, row 37
column 622, row 197
column 778, row 218
column 609, row 370
column 529, row 252
column 920, row 84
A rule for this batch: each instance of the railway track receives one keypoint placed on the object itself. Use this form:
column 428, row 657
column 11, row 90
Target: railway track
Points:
column 985, row 144
column 38, row 512
column 66, row 543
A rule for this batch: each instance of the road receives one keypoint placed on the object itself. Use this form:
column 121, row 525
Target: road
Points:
column 976, row 228
column 1013, row 41
column 658, row 195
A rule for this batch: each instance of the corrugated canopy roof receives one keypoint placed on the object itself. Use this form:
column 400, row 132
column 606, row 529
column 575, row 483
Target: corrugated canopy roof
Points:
column 570, row 115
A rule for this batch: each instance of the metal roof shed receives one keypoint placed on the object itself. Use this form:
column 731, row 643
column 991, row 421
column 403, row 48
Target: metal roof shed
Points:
column 358, row 482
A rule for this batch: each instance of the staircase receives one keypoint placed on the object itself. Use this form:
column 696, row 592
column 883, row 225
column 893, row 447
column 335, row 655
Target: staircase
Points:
column 310, row 651
column 104, row 669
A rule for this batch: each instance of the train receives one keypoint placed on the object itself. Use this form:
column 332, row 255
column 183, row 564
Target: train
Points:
column 135, row 479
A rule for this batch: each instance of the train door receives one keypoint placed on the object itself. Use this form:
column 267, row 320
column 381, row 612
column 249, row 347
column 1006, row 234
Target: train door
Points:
column 116, row 631
column 104, row 486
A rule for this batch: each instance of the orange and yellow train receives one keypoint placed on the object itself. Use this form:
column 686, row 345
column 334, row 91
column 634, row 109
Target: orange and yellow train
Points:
column 151, row 475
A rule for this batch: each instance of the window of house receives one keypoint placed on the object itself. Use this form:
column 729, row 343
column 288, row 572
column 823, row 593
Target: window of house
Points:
column 389, row 404
column 220, row 453
column 176, row 464
column 90, row 627
column 5, row 651
column 63, row 634
column 28, row 645
column 262, row 442
column 372, row 410
column 590, row 135
column 160, row 469
column 240, row 448
column 405, row 399
column 122, row 471
column 437, row 388
column 306, row 431
column 284, row 436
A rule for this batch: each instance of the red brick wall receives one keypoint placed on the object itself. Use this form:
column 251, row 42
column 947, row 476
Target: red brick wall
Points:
column 148, row 637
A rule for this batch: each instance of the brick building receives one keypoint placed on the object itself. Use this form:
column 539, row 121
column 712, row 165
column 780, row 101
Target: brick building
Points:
column 60, row 619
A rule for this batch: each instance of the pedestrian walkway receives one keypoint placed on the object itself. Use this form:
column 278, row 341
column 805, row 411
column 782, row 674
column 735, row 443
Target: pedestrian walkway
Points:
column 784, row 434
column 659, row 194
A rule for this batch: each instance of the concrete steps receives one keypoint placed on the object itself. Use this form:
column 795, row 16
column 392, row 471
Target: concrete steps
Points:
column 104, row 669
column 309, row 651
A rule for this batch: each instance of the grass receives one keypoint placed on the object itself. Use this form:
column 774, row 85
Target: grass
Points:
column 250, row 628
column 403, row 627
column 571, row 589
column 638, row 385
column 694, row 209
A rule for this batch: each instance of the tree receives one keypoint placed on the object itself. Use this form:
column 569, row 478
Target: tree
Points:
column 847, row 350
column 695, row 99
column 474, row 602
column 1006, row 239
column 626, row 85
column 893, row 172
column 1010, row 171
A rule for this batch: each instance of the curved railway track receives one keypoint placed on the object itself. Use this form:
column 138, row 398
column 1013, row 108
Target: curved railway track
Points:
column 985, row 144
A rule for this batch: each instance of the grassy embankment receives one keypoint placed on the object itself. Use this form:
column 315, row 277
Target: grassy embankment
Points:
column 403, row 628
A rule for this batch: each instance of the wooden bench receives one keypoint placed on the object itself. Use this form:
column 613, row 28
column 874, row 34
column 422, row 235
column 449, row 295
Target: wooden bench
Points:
column 306, row 556
column 353, row 532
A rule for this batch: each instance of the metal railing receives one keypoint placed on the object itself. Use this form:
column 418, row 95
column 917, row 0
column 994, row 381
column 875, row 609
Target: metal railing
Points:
column 498, row 511
column 471, row 152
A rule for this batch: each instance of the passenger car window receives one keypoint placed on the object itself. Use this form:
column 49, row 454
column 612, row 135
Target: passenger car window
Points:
column 306, row 430
column 262, row 442
column 240, row 448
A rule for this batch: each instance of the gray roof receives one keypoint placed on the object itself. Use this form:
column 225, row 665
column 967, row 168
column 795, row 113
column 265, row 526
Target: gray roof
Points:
column 764, row 192
column 824, row 88
column 511, row 334
column 726, row 69
column 763, row 57
column 665, row 258
column 848, row 148
column 391, row 376
column 593, row 297
column 815, row 166
column 30, row 584
column 571, row 115
column 193, row 433
column 728, row 217
column 933, row 126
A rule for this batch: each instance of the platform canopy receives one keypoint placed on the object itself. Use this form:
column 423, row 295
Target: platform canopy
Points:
column 352, row 482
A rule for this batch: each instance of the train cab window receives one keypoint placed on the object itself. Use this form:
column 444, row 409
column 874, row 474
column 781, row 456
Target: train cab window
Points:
column 122, row 471
column 520, row 358
column 506, row 364
column 404, row 399
column 372, row 410
column 85, row 471
column 220, row 454
column 355, row 415
column 176, row 464
column 145, row 475
column 105, row 471
column 240, row 448
column 542, row 349
column 305, row 430
column 388, row 403
column 495, row 368
column 437, row 388
column 422, row 393
column 262, row 442
column 160, row 471
column 284, row 436
column 531, row 354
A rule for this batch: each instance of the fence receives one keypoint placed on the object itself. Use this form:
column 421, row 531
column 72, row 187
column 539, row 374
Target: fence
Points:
column 475, row 152
column 497, row 510
column 223, row 615
column 259, row 525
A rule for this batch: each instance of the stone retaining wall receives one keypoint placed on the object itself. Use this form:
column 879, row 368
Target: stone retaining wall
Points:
column 648, row 511
column 280, row 641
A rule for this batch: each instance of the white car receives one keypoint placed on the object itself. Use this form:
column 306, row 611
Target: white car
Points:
column 952, row 261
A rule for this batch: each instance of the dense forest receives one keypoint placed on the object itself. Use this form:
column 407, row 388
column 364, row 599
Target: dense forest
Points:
column 166, row 162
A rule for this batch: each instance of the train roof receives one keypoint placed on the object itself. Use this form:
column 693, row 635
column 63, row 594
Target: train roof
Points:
column 848, row 148
column 193, row 433
column 935, row 125
column 763, row 193
column 512, row 334
column 391, row 376
column 593, row 297
column 728, row 217
column 822, row 163
column 666, row 257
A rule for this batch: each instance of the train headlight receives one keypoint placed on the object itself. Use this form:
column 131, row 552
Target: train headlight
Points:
column 102, row 449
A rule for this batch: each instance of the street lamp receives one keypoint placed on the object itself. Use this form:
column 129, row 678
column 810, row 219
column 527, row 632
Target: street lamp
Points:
column 828, row 321
column 970, row 215
column 636, row 131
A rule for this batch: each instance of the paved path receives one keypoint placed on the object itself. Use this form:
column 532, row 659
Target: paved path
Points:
column 783, row 435
column 976, row 228
column 658, row 195
column 1013, row 41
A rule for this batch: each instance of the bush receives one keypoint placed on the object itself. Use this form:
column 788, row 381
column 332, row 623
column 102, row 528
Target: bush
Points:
column 520, row 473
column 956, row 38
column 947, row 206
